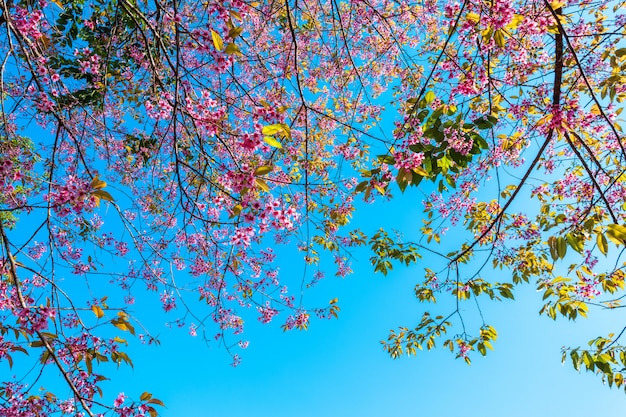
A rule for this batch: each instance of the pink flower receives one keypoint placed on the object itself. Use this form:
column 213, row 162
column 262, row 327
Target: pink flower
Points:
column 119, row 400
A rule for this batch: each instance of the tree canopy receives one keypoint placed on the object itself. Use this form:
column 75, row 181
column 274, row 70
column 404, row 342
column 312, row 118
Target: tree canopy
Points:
column 164, row 149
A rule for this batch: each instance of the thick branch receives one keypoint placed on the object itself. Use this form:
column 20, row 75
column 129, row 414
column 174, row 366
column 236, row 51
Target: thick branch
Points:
column 556, row 100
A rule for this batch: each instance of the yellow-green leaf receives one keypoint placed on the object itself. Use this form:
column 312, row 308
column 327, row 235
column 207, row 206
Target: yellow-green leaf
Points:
column 420, row 171
column 430, row 97
column 602, row 243
column 498, row 36
column 217, row 40
column 616, row 233
column 235, row 32
column 575, row 241
column 262, row 185
column 272, row 142
column 236, row 15
column 232, row 49
column 262, row 170
column 554, row 252
column 561, row 246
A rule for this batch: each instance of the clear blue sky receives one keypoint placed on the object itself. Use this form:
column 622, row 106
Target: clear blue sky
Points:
column 338, row 367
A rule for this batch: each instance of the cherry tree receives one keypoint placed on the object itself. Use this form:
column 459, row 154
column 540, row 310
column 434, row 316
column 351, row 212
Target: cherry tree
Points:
column 164, row 149
column 517, row 125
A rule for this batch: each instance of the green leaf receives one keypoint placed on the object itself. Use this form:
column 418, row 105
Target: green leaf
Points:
column 485, row 122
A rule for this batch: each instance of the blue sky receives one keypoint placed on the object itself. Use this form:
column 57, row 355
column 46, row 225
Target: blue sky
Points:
column 338, row 367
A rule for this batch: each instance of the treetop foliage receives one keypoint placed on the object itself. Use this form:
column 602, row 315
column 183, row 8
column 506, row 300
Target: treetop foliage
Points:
column 163, row 149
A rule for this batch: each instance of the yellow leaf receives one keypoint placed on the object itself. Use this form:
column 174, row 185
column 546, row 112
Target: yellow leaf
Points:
column 473, row 17
column 103, row 195
column 120, row 340
column 97, row 311
column 156, row 401
column 595, row 110
column 515, row 22
column 487, row 34
column 420, row 171
column 277, row 128
column 217, row 40
column 121, row 325
column 58, row 3
column 498, row 36
column 555, row 5
column 272, row 129
column 553, row 29
column 97, row 183
column 272, row 142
